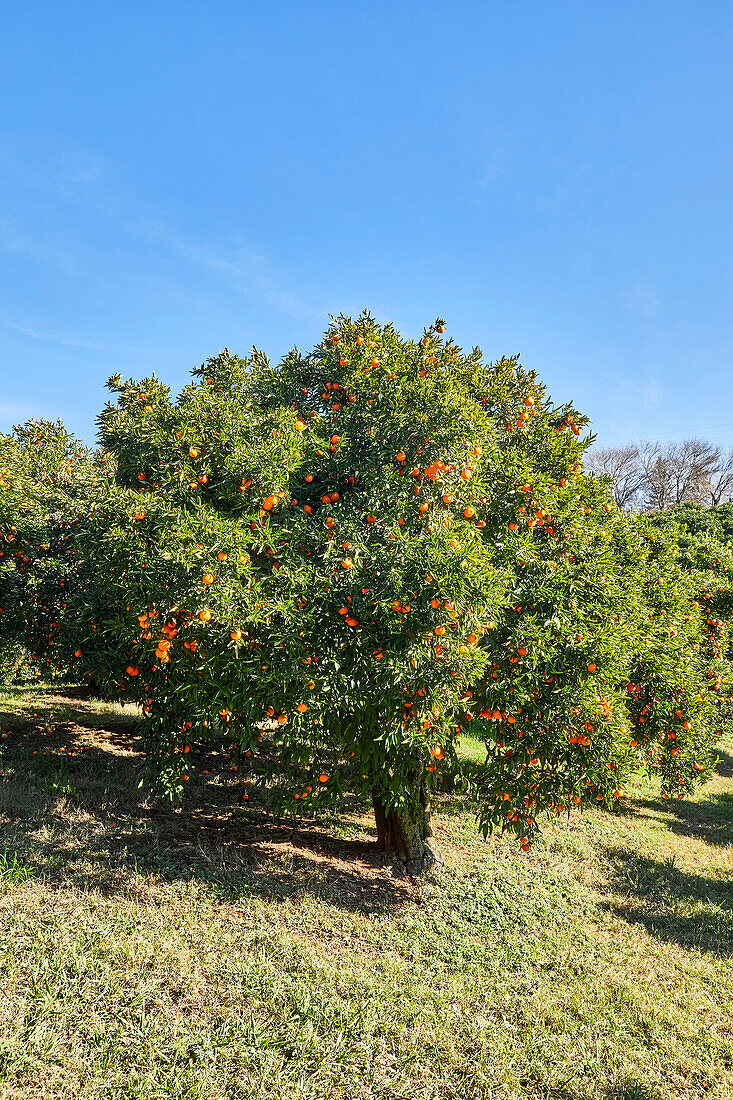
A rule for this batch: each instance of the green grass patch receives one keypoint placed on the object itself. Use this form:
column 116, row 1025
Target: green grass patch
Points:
column 215, row 952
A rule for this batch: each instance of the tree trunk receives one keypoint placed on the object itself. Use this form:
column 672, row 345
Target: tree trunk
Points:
column 407, row 831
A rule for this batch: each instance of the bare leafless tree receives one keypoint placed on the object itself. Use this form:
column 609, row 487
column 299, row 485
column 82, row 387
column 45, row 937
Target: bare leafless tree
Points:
column 692, row 463
column 622, row 465
column 656, row 476
column 721, row 479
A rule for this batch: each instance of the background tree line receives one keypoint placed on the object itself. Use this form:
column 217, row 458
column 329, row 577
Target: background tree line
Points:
column 652, row 477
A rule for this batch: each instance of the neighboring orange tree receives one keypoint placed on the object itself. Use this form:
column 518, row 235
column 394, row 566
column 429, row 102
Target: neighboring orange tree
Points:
column 380, row 547
column 46, row 475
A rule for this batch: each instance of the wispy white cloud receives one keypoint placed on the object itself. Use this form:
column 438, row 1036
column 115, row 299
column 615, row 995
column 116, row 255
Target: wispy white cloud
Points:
column 77, row 167
column 83, row 177
column 55, row 337
column 15, row 414
column 244, row 269
column 644, row 300
column 14, row 240
column 496, row 165
column 66, row 168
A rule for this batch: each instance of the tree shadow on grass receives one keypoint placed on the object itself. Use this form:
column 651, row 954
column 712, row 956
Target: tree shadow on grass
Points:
column 709, row 819
column 629, row 1089
column 72, row 811
column 724, row 766
column 693, row 910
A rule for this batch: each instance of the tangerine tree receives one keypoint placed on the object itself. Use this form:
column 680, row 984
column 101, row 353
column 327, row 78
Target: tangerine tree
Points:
column 45, row 478
column 379, row 547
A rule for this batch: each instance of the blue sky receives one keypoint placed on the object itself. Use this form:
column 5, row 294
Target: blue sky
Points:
column 553, row 178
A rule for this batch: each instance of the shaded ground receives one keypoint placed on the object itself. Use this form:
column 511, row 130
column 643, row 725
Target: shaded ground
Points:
column 86, row 753
column 214, row 952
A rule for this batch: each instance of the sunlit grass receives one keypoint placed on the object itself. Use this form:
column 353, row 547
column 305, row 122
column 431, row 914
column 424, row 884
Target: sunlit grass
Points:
column 213, row 952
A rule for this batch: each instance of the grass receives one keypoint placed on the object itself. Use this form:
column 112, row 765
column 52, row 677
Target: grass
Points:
column 213, row 953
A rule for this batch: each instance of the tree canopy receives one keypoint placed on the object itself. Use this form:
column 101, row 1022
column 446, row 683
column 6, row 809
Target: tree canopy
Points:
column 350, row 561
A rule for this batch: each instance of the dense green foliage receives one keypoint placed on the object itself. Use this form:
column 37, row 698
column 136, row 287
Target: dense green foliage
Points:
column 693, row 519
column 46, row 476
column 375, row 546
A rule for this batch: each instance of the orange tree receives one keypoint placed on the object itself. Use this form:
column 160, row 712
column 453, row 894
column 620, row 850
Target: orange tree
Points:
column 706, row 561
column 378, row 547
column 45, row 479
